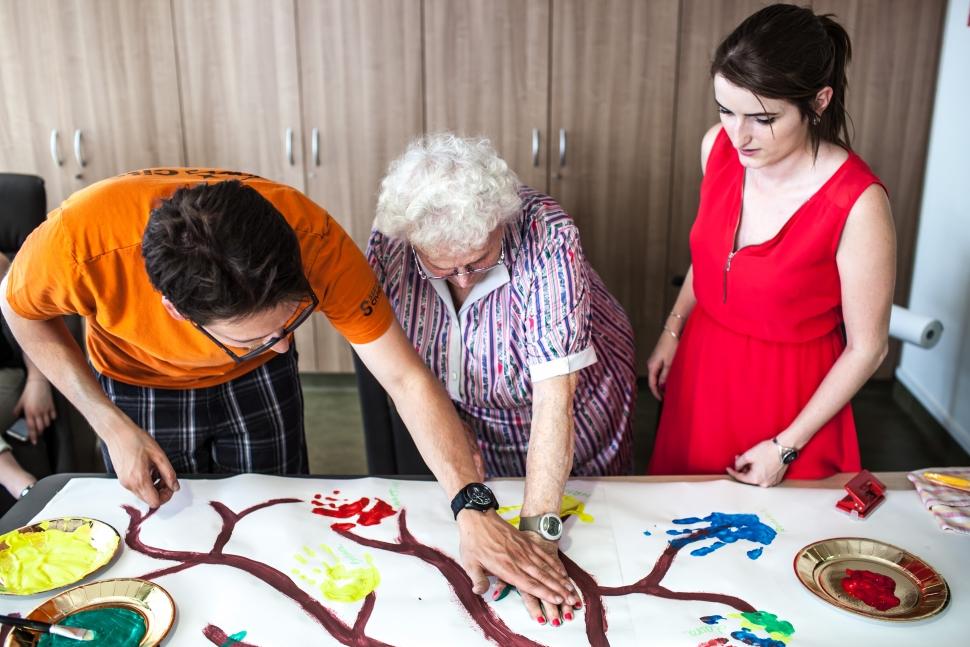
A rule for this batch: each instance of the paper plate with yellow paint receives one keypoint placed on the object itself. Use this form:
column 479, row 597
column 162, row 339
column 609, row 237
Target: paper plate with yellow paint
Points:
column 54, row 553
column 152, row 605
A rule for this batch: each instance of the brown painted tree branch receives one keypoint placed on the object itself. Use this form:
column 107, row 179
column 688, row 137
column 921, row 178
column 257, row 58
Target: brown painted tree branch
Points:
column 335, row 626
column 491, row 625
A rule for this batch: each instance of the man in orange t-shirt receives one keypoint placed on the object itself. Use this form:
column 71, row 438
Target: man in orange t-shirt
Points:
column 192, row 282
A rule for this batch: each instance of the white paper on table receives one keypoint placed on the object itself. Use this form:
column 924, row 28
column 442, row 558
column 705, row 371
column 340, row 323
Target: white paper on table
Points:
column 416, row 605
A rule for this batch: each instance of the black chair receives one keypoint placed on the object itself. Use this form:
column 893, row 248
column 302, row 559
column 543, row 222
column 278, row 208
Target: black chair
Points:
column 387, row 441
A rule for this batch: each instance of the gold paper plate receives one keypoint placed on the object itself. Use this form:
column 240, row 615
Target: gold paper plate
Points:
column 39, row 538
column 821, row 566
column 149, row 600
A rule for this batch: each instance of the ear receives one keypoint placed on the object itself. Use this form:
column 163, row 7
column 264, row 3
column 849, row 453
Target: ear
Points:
column 172, row 310
column 822, row 99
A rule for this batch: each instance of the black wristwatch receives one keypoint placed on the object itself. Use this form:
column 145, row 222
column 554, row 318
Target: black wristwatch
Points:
column 474, row 496
column 787, row 454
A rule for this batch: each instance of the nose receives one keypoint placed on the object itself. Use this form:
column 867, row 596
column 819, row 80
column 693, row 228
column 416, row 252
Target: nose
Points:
column 740, row 133
column 282, row 345
column 464, row 280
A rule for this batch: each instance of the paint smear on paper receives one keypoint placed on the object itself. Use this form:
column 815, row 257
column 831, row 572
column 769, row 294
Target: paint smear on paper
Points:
column 112, row 626
column 874, row 589
column 39, row 561
column 337, row 581
column 724, row 529
column 571, row 506
column 331, row 507
column 778, row 631
column 714, row 642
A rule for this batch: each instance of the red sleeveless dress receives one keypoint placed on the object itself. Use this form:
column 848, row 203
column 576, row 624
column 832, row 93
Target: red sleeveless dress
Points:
column 766, row 329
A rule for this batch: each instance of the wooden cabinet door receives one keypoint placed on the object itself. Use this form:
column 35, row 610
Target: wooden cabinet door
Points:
column 487, row 73
column 34, row 128
column 362, row 102
column 238, row 70
column 613, row 80
column 892, row 83
column 122, row 87
column 102, row 74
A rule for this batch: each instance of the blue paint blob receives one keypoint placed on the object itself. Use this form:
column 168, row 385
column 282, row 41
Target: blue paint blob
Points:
column 724, row 529
column 755, row 553
column 646, row 533
column 711, row 620
column 748, row 638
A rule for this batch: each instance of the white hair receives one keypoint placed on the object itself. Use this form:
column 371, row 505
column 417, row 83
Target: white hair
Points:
column 446, row 194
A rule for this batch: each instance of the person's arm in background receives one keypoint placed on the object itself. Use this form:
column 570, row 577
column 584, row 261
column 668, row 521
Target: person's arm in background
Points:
column 658, row 365
column 866, row 259
column 134, row 454
column 489, row 545
column 13, row 477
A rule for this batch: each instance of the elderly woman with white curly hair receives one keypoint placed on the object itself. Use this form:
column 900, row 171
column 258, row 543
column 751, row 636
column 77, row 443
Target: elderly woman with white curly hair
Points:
column 489, row 281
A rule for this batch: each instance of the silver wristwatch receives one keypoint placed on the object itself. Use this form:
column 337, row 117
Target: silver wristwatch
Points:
column 548, row 526
column 786, row 454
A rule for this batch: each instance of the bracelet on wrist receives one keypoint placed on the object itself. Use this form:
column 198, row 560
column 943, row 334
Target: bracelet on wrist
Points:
column 672, row 333
column 676, row 316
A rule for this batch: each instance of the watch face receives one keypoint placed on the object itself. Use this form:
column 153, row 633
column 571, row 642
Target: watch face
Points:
column 479, row 495
column 551, row 526
column 789, row 457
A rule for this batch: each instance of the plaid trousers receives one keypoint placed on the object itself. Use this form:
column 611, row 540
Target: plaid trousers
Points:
column 251, row 424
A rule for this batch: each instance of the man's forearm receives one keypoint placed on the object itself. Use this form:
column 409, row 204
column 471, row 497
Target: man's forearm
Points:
column 53, row 351
column 551, row 444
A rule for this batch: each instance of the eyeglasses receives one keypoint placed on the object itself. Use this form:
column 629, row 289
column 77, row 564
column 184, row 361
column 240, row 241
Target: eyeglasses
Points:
column 297, row 319
column 476, row 270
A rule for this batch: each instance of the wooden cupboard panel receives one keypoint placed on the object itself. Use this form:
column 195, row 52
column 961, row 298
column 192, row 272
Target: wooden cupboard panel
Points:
column 613, row 80
column 362, row 92
column 487, row 73
column 33, row 94
column 122, row 86
column 703, row 26
column 892, row 83
column 238, row 70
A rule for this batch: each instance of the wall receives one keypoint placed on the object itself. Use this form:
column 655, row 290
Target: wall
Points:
column 940, row 377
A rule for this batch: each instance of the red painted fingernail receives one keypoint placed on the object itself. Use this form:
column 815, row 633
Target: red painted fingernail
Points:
column 541, row 620
column 578, row 605
column 555, row 622
column 568, row 616
column 495, row 594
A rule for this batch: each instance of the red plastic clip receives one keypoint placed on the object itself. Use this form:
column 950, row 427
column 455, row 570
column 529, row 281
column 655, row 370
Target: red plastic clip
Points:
column 866, row 492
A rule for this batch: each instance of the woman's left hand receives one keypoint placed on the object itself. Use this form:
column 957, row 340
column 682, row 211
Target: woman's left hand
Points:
column 542, row 612
column 761, row 465
column 36, row 405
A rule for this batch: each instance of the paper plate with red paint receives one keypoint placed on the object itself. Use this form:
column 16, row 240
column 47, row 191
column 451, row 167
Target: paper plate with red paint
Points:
column 872, row 578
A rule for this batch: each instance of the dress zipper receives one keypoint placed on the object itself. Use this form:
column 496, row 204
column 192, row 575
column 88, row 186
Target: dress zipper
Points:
column 727, row 268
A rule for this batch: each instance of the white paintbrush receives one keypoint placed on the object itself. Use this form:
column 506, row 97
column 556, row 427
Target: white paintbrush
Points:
column 75, row 633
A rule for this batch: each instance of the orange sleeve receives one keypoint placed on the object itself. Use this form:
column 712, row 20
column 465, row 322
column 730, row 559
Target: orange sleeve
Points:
column 45, row 279
column 349, row 293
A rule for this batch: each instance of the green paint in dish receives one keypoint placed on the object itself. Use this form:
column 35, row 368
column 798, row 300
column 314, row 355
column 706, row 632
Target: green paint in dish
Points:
column 112, row 626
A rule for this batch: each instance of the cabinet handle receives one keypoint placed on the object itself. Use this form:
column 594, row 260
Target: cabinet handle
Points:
column 315, row 146
column 535, row 147
column 289, row 146
column 562, row 147
column 55, row 149
column 77, row 149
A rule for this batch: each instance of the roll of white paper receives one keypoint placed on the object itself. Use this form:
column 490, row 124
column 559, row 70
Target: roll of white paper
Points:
column 908, row 326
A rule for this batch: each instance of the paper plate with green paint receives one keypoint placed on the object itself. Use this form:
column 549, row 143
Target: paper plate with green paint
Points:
column 148, row 603
column 54, row 553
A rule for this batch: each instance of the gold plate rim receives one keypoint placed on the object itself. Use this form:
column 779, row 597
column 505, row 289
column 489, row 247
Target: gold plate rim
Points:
column 95, row 523
column 157, row 627
column 806, row 576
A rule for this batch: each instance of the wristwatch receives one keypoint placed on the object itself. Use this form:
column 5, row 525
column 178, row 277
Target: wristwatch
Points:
column 787, row 454
column 24, row 491
column 549, row 525
column 474, row 496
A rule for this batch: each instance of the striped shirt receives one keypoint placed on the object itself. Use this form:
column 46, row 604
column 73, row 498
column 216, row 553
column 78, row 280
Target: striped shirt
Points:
column 543, row 313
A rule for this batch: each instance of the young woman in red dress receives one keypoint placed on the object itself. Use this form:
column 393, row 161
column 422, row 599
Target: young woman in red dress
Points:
column 784, row 312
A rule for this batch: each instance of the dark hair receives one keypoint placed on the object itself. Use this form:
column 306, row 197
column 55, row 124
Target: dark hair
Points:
column 222, row 251
column 788, row 52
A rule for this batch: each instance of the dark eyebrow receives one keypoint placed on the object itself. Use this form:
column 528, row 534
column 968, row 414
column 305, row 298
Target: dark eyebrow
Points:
column 751, row 114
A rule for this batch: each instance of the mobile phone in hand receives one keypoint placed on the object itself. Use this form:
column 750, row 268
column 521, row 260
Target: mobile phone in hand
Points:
column 18, row 430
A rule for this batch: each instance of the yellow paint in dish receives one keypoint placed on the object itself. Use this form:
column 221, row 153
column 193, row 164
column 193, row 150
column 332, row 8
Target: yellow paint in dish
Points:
column 47, row 556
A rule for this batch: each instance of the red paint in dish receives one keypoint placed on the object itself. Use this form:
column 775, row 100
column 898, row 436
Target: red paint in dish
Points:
column 874, row 589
